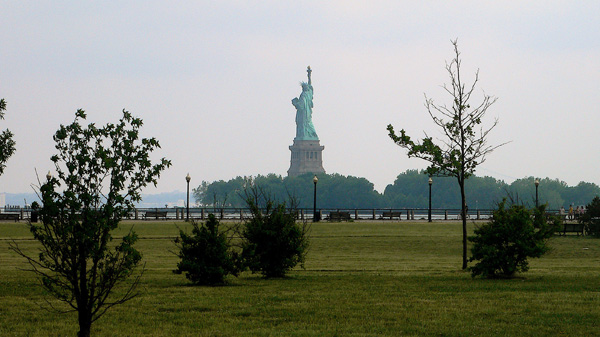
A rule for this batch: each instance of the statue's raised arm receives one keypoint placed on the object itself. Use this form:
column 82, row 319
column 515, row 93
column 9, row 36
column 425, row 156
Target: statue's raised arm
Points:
column 308, row 70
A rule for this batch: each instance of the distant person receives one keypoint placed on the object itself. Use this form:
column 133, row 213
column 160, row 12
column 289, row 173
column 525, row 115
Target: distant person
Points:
column 562, row 212
column 571, row 212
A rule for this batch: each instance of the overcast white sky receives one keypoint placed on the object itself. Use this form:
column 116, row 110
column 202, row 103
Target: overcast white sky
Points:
column 214, row 80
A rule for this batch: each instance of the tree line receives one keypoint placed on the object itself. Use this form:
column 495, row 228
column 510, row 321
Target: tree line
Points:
column 409, row 190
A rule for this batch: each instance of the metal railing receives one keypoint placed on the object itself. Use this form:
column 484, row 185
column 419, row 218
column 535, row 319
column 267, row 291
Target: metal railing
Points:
column 234, row 213
column 237, row 213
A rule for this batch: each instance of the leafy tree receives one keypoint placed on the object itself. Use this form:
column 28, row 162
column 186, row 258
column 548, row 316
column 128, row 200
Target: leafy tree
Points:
column 206, row 255
column 7, row 144
column 221, row 193
column 485, row 192
column 274, row 184
column 100, row 172
column 338, row 191
column 464, row 145
column 581, row 193
column 272, row 241
column 409, row 190
column 335, row 190
column 502, row 246
column 556, row 193
column 591, row 218
column 551, row 191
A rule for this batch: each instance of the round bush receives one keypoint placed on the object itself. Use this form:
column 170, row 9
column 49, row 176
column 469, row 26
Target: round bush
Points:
column 206, row 255
column 502, row 246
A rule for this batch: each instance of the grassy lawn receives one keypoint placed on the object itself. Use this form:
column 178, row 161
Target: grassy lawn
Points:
column 361, row 279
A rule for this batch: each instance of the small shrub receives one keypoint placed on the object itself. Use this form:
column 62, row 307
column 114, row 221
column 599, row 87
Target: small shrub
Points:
column 206, row 255
column 591, row 218
column 273, row 243
column 502, row 246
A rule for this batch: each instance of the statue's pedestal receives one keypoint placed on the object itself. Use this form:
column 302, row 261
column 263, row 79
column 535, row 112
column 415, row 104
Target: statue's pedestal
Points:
column 306, row 157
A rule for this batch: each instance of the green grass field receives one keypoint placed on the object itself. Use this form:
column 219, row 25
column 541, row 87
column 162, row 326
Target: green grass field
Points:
column 361, row 279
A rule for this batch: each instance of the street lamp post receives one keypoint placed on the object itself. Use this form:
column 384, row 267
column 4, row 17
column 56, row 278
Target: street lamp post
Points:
column 315, row 217
column 430, row 183
column 537, row 183
column 188, row 178
column 48, row 176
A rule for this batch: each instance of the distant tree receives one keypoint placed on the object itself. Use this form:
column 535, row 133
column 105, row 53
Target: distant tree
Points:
column 200, row 192
column 464, row 146
column 551, row 191
column 502, row 246
column 7, row 144
column 410, row 189
column 221, row 193
column 335, row 191
column 272, row 241
column 591, row 218
column 338, row 191
column 485, row 192
column 555, row 192
column 100, row 173
column 270, row 183
column 581, row 193
column 206, row 254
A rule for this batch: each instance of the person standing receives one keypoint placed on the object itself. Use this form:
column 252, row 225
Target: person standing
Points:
column 571, row 212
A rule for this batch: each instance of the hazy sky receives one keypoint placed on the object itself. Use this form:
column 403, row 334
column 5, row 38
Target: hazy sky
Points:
column 214, row 80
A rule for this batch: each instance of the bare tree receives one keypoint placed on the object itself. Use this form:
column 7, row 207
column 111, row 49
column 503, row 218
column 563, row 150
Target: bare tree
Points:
column 464, row 143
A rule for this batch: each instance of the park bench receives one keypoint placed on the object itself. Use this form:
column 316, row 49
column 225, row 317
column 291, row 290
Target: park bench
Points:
column 155, row 215
column 391, row 215
column 569, row 227
column 10, row 216
column 339, row 216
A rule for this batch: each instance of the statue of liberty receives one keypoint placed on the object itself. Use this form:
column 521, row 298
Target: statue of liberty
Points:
column 305, row 130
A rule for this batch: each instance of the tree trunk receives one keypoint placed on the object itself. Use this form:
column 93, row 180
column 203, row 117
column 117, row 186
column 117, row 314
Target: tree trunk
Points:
column 464, row 222
column 84, row 309
column 85, row 323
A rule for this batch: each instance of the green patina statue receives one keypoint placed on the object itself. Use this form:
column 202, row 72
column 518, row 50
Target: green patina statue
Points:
column 305, row 130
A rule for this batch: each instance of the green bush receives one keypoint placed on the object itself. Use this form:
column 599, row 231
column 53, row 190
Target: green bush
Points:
column 591, row 218
column 206, row 255
column 273, row 242
column 502, row 246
